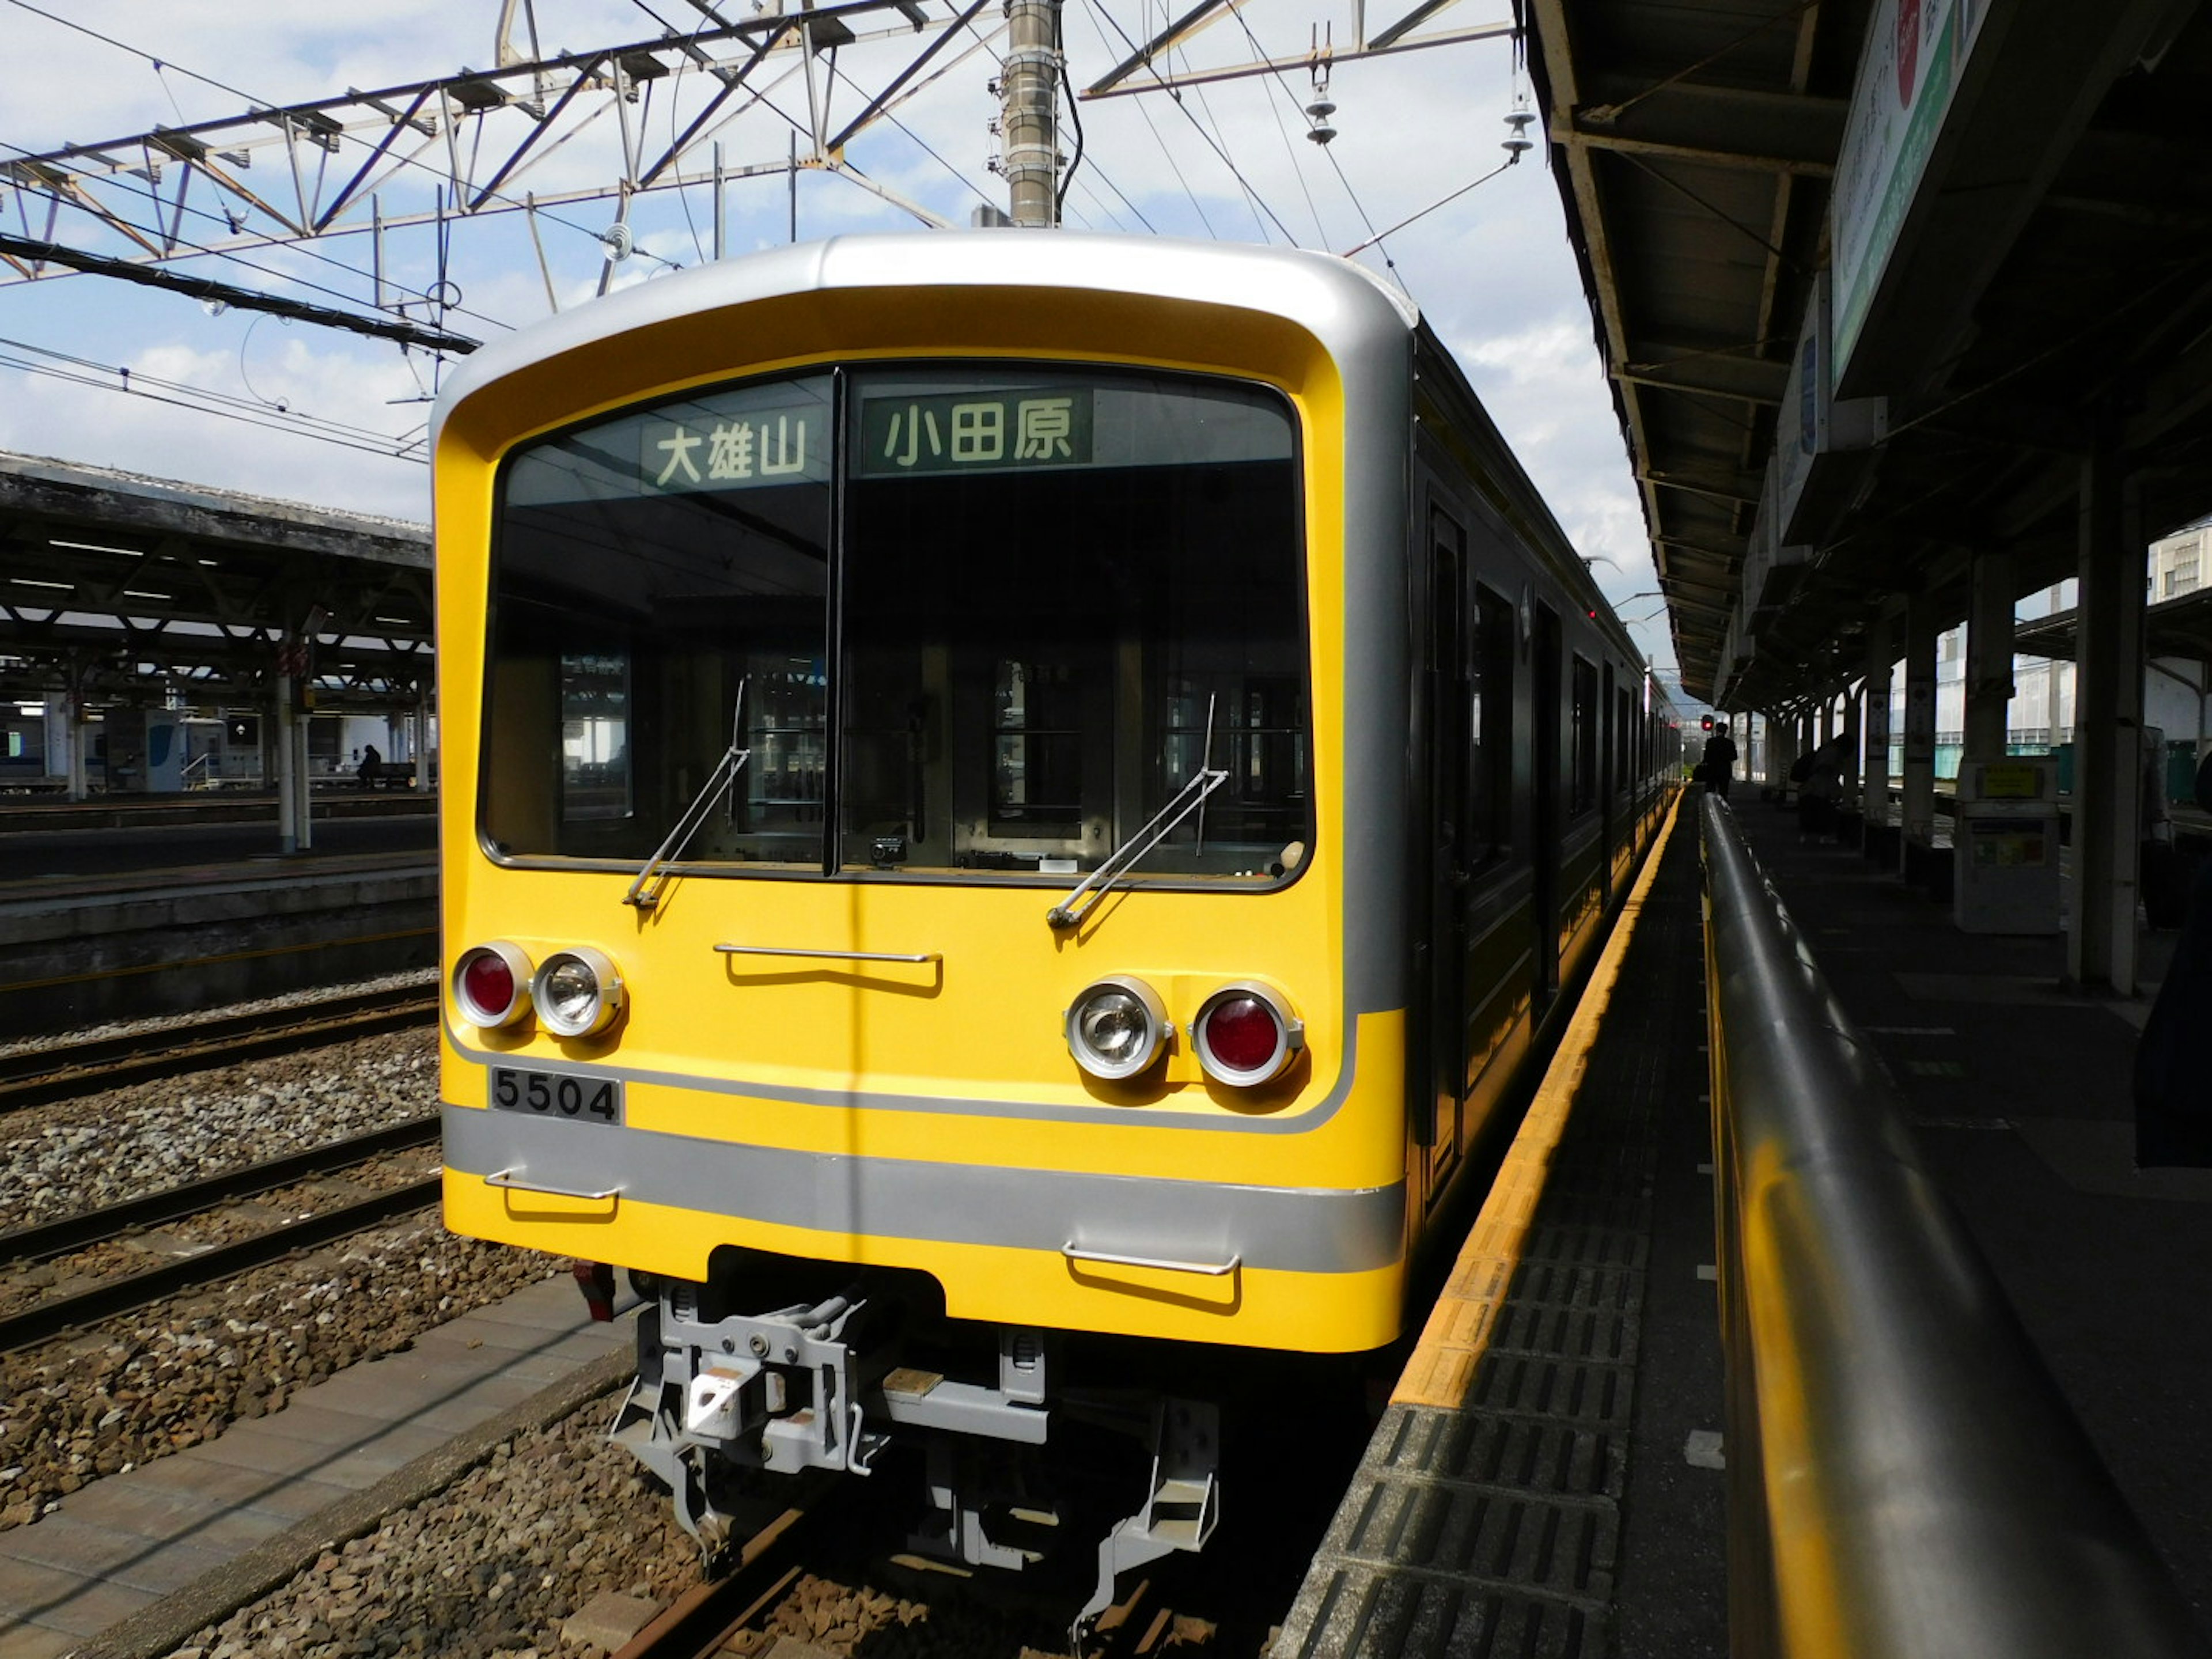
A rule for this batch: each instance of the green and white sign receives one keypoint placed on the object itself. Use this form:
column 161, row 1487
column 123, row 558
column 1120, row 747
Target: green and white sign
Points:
column 1916, row 52
column 701, row 447
column 975, row 431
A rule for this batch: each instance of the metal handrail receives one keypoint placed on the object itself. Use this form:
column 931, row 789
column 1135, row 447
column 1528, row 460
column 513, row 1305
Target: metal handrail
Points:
column 1904, row 1479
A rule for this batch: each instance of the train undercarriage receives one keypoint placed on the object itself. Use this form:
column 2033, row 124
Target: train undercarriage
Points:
column 866, row 1380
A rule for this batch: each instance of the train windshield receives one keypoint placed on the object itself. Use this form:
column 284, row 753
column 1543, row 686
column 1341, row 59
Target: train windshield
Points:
column 987, row 621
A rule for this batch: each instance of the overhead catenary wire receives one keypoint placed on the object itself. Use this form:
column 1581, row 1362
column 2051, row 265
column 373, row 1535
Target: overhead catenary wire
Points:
column 133, row 379
column 1444, row 202
column 1321, row 231
column 1197, row 125
column 1074, row 113
column 1251, row 197
column 837, row 74
column 1174, row 166
column 204, row 287
column 395, row 449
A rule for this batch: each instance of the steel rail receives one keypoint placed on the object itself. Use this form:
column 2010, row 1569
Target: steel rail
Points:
column 33, row 1077
column 104, row 1301
column 1904, row 1479
column 75, row 1232
column 702, row 1621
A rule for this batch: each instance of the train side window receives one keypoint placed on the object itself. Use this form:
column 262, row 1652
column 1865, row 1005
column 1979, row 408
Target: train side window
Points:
column 1622, row 770
column 1584, row 737
column 1489, row 686
column 1608, row 737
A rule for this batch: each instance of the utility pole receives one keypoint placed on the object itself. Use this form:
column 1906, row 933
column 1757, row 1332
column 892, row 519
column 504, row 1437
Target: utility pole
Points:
column 1030, row 112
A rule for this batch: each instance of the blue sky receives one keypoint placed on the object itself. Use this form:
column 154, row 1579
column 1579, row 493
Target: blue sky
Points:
column 1491, row 270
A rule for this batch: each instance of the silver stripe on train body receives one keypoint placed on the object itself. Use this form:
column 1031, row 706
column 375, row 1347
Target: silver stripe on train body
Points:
column 1282, row 1228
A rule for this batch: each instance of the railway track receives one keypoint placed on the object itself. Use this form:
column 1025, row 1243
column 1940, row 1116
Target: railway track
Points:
column 56, row 1315
column 709, row 1618
column 33, row 1077
column 704, row 1619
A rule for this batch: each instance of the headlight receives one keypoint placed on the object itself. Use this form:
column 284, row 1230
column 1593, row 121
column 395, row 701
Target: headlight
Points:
column 578, row 993
column 491, row 984
column 1116, row 1028
column 1246, row 1034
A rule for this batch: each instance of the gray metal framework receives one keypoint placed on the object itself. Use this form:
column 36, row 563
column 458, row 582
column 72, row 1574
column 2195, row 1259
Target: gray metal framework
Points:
column 1121, row 81
column 469, row 145
column 1904, row 1478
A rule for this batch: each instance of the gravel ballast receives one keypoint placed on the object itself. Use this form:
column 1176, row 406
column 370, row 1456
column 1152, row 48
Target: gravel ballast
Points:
column 491, row 1566
column 97, row 1149
column 145, row 1384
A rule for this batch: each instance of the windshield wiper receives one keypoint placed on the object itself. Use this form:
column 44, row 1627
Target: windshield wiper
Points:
column 718, row 782
column 1101, row 881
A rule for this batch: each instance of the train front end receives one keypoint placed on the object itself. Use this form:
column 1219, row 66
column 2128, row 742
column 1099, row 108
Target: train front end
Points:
column 922, row 775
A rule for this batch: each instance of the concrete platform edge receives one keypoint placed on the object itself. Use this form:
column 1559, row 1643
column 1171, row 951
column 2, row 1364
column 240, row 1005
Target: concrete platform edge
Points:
column 167, row 1624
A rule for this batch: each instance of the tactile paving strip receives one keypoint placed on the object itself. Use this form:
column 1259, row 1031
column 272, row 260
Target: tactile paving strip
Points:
column 1491, row 1526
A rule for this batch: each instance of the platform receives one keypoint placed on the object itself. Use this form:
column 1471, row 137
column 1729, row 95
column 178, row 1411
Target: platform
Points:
column 118, row 835
column 81, row 949
column 1547, row 1478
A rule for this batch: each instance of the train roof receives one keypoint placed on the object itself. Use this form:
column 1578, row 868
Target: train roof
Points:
column 1343, row 304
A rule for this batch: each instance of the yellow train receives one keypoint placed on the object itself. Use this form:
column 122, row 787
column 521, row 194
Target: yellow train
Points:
column 996, row 786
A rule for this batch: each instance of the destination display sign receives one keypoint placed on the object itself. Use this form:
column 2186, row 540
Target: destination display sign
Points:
column 975, row 430
column 901, row 424
column 705, row 449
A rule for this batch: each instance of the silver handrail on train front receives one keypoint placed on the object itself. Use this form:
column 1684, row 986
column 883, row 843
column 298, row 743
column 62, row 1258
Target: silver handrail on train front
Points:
column 1904, row 1479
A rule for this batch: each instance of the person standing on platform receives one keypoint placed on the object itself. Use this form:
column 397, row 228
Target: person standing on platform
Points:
column 1817, row 786
column 1719, row 760
column 371, row 764
column 2173, row 1056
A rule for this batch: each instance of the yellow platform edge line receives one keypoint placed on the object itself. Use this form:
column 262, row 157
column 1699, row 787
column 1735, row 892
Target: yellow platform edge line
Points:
column 1442, row 1368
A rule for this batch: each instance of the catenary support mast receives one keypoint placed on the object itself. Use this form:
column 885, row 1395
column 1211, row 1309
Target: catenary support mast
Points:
column 1030, row 112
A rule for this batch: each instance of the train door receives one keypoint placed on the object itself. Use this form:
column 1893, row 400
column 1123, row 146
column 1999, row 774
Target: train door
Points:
column 1449, row 750
column 1544, row 793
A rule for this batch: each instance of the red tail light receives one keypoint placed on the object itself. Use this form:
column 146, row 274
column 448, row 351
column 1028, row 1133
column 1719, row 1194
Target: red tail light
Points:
column 1246, row 1035
column 491, row 984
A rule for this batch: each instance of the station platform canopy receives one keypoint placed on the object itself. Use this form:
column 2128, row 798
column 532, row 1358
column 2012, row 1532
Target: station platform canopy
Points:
column 118, row 587
column 1875, row 281
column 2180, row 627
